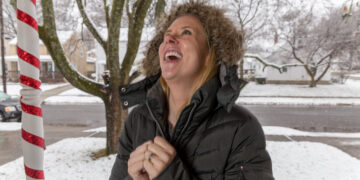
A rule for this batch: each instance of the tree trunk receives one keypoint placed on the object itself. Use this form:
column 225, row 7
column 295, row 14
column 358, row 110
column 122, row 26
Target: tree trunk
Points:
column 313, row 82
column 119, row 74
column 115, row 118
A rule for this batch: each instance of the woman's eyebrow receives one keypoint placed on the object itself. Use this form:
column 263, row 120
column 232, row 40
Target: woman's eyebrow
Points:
column 184, row 27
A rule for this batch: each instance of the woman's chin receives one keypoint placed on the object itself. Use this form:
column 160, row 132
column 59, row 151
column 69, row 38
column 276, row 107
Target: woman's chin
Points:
column 168, row 75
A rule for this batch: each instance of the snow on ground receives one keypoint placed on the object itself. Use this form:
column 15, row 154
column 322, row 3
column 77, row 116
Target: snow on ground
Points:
column 96, row 130
column 72, row 100
column 69, row 159
column 298, row 101
column 279, row 131
column 10, row 126
column 350, row 89
column 335, row 94
column 284, row 131
column 13, row 89
column 311, row 161
column 351, row 143
column 73, row 96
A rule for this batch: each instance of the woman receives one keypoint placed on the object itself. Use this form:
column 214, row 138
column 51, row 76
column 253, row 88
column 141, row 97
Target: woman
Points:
column 186, row 125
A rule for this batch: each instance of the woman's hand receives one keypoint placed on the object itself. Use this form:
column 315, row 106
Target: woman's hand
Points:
column 136, row 162
column 158, row 156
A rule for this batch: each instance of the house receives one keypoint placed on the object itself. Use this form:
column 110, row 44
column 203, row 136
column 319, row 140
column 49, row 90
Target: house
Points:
column 254, row 69
column 100, row 67
column 74, row 50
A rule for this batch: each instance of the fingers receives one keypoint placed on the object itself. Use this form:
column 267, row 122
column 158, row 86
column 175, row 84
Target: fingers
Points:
column 167, row 147
column 135, row 162
column 155, row 161
column 136, row 158
column 159, row 152
column 153, row 167
column 136, row 169
column 140, row 149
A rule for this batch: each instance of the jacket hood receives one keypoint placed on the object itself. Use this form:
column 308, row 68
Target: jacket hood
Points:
column 221, row 33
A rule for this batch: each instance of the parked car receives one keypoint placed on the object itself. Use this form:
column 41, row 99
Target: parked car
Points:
column 10, row 109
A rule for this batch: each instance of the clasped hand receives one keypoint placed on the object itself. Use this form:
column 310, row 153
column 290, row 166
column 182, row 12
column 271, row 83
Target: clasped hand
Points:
column 148, row 160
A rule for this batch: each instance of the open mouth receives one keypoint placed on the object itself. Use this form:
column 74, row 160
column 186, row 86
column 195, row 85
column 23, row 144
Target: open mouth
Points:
column 172, row 56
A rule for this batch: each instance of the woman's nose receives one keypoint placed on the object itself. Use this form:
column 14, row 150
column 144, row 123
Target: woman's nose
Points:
column 169, row 38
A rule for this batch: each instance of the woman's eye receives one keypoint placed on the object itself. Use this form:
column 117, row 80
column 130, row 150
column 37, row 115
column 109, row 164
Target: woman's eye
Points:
column 186, row 32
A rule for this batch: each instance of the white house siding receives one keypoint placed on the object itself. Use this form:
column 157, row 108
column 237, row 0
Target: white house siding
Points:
column 295, row 74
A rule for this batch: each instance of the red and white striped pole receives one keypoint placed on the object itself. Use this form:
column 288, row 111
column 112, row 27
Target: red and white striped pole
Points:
column 32, row 131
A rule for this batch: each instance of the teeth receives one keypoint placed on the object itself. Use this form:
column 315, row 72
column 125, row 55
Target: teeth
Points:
column 167, row 55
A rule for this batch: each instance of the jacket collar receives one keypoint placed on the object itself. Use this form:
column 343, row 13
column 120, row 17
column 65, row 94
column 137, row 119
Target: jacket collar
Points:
column 220, row 91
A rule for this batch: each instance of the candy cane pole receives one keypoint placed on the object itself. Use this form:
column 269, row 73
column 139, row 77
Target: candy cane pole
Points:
column 32, row 131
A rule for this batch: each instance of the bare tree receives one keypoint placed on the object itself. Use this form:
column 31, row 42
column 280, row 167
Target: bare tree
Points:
column 251, row 19
column 308, row 40
column 349, row 58
column 313, row 42
column 9, row 20
column 119, row 74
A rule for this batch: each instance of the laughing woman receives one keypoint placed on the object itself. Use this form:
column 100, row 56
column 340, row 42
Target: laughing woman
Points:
column 186, row 125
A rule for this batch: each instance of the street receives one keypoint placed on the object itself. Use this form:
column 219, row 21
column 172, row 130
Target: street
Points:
column 313, row 118
column 64, row 121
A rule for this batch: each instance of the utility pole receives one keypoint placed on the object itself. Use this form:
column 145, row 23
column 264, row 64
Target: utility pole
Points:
column 2, row 47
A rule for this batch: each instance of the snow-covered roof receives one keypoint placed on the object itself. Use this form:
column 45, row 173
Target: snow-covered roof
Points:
column 91, row 60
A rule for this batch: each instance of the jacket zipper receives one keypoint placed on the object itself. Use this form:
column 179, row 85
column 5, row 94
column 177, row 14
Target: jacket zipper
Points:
column 187, row 123
column 154, row 119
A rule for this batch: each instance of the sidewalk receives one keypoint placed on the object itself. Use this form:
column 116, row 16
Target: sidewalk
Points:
column 55, row 91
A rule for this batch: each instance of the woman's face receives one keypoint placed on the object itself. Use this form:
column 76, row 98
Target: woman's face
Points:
column 184, row 51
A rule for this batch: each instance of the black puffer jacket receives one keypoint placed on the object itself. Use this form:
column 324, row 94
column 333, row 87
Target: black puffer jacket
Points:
column 214, row 138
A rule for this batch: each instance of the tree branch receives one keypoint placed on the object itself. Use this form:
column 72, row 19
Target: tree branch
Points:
column 90, row 26
column 112, row 58
column 159, row 11
column 129, row 14
column 255, row 13
column 248, row 12
column 134, row 37
column 324, row 72
column 322, row 59
column 293, row 51
column 107, row 16
column 267, row 64
column 47, row 34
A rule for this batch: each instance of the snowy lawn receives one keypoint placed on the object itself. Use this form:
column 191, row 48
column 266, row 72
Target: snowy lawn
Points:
column 284, row 131
column 279, row 131
column 350, row 89
column 73, row 96
column 334, row 94
column 69, row 159
column 10, row 126
column 298, row 101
